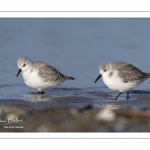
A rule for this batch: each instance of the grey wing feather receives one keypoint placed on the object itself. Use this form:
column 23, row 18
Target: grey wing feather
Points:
column 49, row 73
column 131, row 73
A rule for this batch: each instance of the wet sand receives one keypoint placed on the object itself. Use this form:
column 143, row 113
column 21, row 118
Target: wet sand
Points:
column 76, row 114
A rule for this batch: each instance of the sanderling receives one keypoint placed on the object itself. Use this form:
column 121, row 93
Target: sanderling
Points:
column 40, row 75
column 121, row 76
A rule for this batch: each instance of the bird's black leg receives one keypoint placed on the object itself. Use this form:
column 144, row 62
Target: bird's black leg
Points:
column 127, row 95
column 41, row 92
column 118, row 95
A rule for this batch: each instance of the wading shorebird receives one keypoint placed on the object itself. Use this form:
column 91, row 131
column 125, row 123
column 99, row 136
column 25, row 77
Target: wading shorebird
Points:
column 39, row 75
column 121, row 76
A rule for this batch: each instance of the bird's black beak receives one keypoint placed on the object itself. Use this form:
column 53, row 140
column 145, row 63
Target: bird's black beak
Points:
column 18, row 72
column 98, row 78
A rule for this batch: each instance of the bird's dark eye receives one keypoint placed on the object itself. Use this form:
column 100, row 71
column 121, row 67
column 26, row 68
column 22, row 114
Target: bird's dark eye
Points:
column 104, row 70
column 24, row 65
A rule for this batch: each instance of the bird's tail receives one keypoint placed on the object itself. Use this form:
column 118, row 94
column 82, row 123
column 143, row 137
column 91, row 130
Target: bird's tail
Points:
column 69, row 78
column 146, row 75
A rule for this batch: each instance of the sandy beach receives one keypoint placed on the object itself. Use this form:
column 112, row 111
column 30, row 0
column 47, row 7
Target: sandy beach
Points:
column 54, row 116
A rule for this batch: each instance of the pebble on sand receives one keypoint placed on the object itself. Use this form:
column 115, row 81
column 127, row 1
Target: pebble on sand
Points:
column 107, row 114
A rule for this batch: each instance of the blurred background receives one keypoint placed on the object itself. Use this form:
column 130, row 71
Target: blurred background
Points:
column 74, row 46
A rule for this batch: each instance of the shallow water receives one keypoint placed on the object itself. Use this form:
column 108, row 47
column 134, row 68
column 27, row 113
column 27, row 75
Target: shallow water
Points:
column 76, row 47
